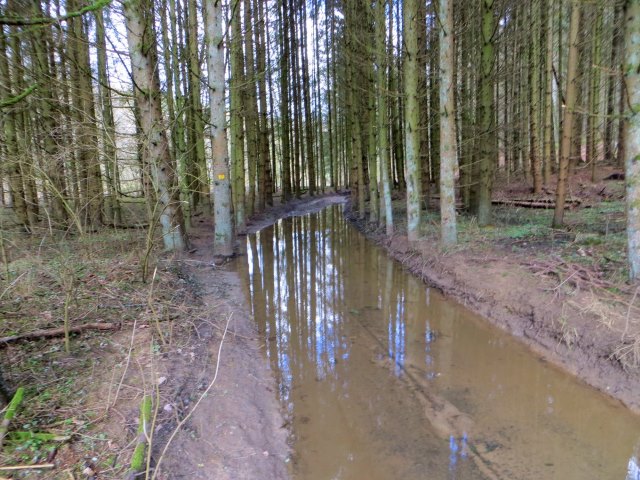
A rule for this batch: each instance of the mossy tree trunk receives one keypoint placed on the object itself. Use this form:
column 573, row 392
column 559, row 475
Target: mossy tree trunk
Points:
column 236, row 125
column 87, row 158
column 631, row 126
column 486, row 132
column 448, row 146
column 412, row 119
column 11, row 165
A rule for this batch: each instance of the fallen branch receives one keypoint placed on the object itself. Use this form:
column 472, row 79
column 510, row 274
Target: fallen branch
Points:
column 538, row 203
column 28, row 467
column 57, row 332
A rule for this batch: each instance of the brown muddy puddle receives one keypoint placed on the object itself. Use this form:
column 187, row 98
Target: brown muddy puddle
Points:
column 383, row 378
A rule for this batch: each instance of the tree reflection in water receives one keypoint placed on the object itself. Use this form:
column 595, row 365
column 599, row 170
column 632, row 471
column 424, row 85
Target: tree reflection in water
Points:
column 369, row 362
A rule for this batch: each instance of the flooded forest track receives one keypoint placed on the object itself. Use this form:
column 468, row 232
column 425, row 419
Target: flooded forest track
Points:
column 381, row 377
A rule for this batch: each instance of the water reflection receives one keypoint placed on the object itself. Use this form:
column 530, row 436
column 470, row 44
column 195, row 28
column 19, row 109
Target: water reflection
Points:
column 383, row 379
column 633, row 469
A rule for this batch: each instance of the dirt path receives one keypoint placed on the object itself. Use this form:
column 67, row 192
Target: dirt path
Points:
column 237, row 430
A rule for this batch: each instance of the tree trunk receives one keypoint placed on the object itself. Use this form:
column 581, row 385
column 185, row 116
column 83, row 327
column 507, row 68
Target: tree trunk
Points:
column 594, row 94
column 251, row 122
column 285, row 122
column 306, row 92
column 568, row 117
column 236, row 128
column 141, row 38
column 486, row 117
column 383, row 115
column 549, row 141
column 614, row 65
column 11, row 167
column 223, row 225
column 632, row 136
column 412, row 119
column 89, row 174
column 200, row 180
column 109, row 131
column 534, row 98
column 448, row 148
column 265, row 181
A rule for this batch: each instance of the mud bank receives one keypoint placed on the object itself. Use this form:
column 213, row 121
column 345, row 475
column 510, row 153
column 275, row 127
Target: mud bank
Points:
column 236, row 430
column 571, row 330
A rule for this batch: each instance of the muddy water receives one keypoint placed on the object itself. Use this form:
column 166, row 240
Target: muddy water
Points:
column 383, row 378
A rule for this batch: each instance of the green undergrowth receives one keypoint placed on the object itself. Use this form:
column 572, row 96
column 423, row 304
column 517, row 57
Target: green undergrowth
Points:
column 593, row 236
column 92, row 279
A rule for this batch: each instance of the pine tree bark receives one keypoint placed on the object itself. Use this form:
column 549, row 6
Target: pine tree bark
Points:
column 412, row 120
column 549, row 141
column 200, row 181
column 568, row 117
column 631, row 126
column 139, row 19
column 252, row 125
column 383, row 114
column 89, row 174
column 265, row 181
column 109, row 131
column 448, row 147
column 214, row 42
column 53, row 164
column 11, row 165
column 614, row 65
column 434, row 98
column 236, row 126
column 24, row 156
column 310, row 156
column 285, row 122
column 372, row 134
column 534, row 97
column 594, row 93
column 486, row 117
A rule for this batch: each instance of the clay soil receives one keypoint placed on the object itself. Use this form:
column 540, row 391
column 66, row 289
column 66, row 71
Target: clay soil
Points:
column 563, row 293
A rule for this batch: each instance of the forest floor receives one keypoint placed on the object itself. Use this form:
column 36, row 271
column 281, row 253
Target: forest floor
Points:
column 182, row 334
column 563, row 292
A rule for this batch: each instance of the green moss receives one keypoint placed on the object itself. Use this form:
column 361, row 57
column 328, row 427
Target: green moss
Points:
column 14, row 404
column 138, row 457
column 137, row 460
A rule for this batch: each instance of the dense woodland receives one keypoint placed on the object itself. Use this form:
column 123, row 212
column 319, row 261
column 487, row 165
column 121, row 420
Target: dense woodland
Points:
column 223, row 108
